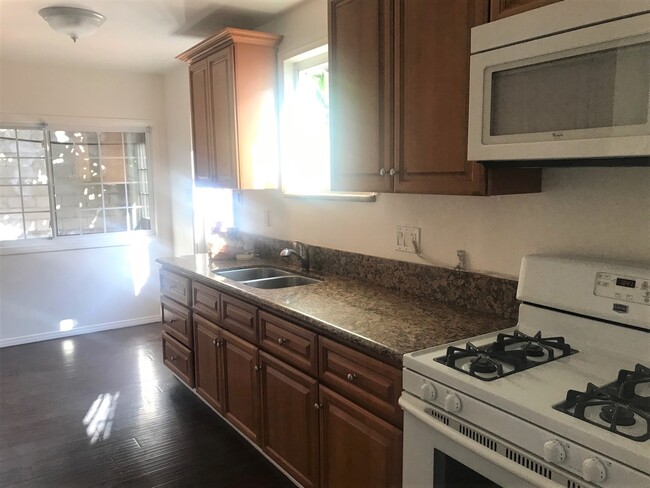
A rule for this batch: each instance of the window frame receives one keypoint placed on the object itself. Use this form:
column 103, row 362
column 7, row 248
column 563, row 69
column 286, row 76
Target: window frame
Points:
column 86, row 241
column 291, row 63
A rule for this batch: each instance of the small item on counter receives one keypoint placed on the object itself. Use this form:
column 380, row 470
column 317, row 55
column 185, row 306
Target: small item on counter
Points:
column 245, row 256
column 224, row 243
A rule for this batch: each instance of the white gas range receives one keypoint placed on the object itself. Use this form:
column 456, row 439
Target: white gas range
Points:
column 561, row 400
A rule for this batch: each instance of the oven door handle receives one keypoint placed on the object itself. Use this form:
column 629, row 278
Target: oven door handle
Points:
column 411, row 406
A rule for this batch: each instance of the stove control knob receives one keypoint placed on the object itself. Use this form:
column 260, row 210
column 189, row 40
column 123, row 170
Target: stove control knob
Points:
column 593, row 470
column 428, row 392
column 554, row 452
column 452, row 403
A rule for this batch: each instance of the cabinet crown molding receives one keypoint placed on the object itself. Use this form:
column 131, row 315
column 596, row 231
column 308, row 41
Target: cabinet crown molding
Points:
column 226, row 37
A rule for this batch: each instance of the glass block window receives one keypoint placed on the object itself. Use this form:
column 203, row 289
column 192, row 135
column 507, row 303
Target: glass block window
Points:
column 98, row 184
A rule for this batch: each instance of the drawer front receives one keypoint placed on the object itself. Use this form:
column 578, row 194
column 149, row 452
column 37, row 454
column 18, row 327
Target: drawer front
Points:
column 367, row 381
column 177, row 322
column 205, row 300
column 289, row 342
column 239, row 317
column 175, row 286
column 178, row 358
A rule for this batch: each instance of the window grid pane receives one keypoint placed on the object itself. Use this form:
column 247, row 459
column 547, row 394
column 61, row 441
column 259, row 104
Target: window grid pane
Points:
column 104, row 177
column 24, row 191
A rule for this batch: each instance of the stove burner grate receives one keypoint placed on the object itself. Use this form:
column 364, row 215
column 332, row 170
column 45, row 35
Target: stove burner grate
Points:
column 509, row 354
column 621, row 406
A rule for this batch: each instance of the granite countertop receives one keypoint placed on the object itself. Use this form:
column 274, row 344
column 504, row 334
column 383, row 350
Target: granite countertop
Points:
column 381, row 322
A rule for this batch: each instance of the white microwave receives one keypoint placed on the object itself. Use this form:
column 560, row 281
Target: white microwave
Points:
column 567, row 81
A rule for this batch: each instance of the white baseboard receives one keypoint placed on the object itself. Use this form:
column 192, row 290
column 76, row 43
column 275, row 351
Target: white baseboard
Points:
column 46, row 336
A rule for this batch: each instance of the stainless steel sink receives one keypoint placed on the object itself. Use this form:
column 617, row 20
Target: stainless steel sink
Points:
column 266, row 278
column 252, row 273
column 281, row 282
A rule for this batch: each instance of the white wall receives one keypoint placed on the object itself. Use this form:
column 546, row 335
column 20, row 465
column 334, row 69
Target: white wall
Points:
column 601, row 212
column 179, row 148
column 96, row 288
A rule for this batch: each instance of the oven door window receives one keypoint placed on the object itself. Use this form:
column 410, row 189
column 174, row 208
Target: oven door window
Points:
column 449, row 473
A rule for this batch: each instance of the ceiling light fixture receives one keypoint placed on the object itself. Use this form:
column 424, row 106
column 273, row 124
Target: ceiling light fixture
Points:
column 72, row 21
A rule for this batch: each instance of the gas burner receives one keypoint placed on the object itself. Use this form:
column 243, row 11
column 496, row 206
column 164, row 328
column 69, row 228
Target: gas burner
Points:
column 622, row 407
column 508, row 354
column 536, row 348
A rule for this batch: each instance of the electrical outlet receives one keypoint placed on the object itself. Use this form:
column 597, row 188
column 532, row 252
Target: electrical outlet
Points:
column 407, row 238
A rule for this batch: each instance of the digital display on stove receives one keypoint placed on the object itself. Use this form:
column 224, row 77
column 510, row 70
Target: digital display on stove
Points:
column 625, row 282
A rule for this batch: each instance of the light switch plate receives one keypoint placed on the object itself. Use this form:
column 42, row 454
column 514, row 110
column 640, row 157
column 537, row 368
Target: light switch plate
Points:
column 405, row 236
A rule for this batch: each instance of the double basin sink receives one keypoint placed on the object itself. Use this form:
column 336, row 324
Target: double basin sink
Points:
column 266, row 278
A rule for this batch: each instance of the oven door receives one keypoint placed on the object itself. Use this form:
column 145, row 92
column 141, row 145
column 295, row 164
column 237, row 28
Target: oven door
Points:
column 437, row 456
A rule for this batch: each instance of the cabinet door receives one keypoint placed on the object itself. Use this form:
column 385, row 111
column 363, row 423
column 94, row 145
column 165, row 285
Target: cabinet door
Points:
column 209, row 362
column 361, row 94
column 505, row 8
column 241, row 404
column 432, row 48
column 222, row 108
column 290, row 419
column 357, row 448
column 200, row 122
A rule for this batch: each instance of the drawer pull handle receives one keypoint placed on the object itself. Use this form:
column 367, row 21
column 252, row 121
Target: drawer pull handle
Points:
column 318, row 406
column 172, row 358
column 282, row 341
column 171, row 321
column 352, row 376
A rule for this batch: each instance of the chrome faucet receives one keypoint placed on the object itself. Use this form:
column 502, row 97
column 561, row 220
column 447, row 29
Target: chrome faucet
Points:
column 302, row 253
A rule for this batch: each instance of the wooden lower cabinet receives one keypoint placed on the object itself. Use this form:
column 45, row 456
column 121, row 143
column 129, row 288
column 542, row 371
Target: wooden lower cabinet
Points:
column 289, row 401
column 241, row 369
column 209, row 362
column 357, row 448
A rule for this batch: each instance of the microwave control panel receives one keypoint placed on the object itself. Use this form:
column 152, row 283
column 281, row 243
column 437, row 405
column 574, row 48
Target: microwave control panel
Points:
column 624, row 288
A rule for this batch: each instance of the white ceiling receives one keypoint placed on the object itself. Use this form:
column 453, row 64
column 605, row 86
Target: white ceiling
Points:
column 138, row 35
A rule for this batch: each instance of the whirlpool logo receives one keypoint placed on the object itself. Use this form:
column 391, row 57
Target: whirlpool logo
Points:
column 557, row 135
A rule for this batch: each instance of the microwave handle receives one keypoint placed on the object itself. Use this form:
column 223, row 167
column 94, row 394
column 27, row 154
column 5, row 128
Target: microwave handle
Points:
column 412, row 406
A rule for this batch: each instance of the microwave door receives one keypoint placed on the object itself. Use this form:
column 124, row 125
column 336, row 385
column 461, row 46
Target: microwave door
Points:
column 582, row 94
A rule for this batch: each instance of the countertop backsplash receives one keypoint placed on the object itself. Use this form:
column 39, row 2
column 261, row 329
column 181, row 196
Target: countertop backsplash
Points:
column 473, row 291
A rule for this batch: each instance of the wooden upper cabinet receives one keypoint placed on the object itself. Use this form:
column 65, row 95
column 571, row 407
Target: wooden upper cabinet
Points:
column 399, row 99
column 505, row 8
column 360, row 91
column 432, row 47
column 200, row 121
column 233, row 83
column 222, row 108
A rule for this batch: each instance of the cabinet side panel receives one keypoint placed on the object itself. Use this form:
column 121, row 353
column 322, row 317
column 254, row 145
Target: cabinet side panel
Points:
column 257, row 122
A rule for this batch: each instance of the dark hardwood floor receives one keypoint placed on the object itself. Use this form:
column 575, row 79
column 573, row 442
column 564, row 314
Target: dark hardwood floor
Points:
column 102, row 410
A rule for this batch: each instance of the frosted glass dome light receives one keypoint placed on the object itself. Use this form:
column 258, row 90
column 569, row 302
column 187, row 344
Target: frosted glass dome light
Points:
column 72, row 21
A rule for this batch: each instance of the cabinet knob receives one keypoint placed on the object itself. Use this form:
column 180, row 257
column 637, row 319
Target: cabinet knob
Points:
column 172, row 358
column 171, row 321
column 257, row 368
column 214, row 341
column 318, row 406
column 282, row 341
column 392, row 172
column 382, row 172
column 352, row 376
